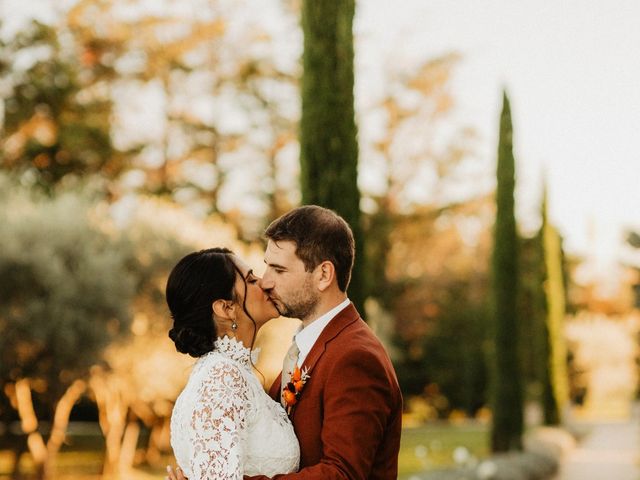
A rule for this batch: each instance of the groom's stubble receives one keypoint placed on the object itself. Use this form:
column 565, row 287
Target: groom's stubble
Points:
column 301, row 303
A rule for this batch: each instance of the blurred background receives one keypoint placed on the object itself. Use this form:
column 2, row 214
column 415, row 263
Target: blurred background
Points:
column 135, row 131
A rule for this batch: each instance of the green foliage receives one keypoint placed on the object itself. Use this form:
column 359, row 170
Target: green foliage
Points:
column 455, row 355
column 532, row 308
column 328, row 145
column 379, row 227
column 556, row 382
column 451, row 354
column 543, row 307
column 633, row 240
column 434, row 282
column 65, row 288
column 507, row 401
column 442, row 319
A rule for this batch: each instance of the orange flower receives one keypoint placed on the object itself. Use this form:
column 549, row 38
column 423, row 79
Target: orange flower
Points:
column 293, row 389
column 289, row 397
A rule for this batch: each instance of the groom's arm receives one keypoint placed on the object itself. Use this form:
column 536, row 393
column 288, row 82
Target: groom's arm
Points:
column 359, row 401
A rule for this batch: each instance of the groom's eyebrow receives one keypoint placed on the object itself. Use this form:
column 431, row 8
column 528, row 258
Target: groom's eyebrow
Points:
column 249, row 273
column 275, row 265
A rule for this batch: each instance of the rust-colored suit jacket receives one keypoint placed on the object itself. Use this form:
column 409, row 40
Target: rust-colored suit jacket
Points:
column 349, row 416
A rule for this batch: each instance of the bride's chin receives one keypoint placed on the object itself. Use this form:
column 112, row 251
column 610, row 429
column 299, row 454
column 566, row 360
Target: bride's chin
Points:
column 275, row 312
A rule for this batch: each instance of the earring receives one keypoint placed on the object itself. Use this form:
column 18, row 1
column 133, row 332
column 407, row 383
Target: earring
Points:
column 234, row 326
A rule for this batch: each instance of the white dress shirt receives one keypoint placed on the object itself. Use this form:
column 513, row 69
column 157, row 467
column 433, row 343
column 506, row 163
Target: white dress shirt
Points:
column 306, row 338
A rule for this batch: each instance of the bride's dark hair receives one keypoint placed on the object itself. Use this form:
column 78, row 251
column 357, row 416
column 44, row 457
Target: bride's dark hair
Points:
column 198, row 280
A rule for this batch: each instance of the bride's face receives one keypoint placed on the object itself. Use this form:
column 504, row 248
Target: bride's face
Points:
column 257, row 302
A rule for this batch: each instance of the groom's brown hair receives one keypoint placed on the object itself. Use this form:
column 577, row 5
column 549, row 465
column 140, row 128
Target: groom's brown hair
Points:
column 319, row 234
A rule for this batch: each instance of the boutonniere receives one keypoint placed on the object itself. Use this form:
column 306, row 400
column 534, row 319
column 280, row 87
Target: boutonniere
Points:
column 293, row 389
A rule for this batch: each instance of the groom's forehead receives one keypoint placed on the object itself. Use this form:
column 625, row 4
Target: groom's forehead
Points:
column 280, row 251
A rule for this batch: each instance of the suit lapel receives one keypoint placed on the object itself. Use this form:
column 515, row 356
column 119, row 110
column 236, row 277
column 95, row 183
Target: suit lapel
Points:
column 344, row 318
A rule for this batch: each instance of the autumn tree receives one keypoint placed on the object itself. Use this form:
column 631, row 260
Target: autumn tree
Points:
column 199, row 104
column 414, row 152
column 56, row 110
column 420, row 248
column 507, row 401
column 225, row 99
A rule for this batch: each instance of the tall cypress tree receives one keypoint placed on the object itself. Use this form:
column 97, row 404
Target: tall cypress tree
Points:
column 328, row 145
column 507, row 398
column 549, row 403
column 555, row 384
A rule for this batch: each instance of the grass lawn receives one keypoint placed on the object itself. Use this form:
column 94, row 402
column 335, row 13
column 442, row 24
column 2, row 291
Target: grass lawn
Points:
column 426, row 447
column 432, row 446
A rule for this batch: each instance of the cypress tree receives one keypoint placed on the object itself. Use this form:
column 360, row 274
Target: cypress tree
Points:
column 549, row 403
column 507, row 398
column 555, row 384
column 533, row 315
column 328, row 145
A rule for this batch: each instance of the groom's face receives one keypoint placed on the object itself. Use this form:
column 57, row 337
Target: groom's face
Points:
column 289, row 286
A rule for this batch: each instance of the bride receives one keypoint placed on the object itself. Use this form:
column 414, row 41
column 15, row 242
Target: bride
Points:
column 223, row 424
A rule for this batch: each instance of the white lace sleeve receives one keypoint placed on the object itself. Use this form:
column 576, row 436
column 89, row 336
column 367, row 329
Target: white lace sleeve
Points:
column 218, row 424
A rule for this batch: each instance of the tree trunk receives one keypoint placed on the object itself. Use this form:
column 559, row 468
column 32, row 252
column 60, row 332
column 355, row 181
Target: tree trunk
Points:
column 129, row 444
column 112, row 414
column 158, row 441
column 43, row 454
column 60, row 424
column 23, row 402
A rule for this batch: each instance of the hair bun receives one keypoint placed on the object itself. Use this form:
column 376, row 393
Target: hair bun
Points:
column 192, row 341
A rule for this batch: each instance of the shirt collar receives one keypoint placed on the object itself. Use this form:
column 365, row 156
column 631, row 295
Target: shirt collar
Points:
column 306, row 338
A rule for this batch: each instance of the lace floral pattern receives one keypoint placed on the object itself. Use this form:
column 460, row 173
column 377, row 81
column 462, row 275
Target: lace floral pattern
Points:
column 225, row 426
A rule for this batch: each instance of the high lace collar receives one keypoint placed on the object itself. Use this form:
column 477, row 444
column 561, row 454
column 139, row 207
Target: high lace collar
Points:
column 235, row 350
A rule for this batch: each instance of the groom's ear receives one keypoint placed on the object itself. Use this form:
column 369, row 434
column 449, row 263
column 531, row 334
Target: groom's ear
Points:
column 223, row 308
column 326, row 274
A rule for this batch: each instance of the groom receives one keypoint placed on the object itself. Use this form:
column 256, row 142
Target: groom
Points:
column 343, row 400
column 349, row 412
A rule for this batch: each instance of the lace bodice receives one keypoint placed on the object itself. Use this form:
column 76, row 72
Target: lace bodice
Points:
column 225, row 426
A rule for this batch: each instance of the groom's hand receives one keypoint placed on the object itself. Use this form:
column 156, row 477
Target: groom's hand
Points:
column 175, row 475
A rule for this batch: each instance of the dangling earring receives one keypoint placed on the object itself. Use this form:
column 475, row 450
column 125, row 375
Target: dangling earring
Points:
column 234, row 326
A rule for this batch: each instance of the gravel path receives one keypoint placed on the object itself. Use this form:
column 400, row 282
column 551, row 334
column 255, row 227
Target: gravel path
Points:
column 609, row 451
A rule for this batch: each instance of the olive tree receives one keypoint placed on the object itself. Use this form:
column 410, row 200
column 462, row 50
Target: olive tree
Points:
column 64, row 295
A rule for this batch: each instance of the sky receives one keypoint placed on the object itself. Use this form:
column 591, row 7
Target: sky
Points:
column 571, row 69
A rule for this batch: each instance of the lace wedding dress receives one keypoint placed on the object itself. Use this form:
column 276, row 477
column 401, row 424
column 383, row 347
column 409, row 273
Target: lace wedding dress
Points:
column 225, row 426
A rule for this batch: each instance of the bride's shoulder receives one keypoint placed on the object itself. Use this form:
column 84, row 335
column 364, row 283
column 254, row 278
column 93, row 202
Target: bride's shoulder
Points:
column 215, row 367
column 214, row 361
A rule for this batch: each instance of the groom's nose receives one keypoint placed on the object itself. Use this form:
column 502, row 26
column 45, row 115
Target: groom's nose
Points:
column 266, row 283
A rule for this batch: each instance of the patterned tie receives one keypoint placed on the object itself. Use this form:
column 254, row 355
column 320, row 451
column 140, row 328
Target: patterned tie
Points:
column 288, row 365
